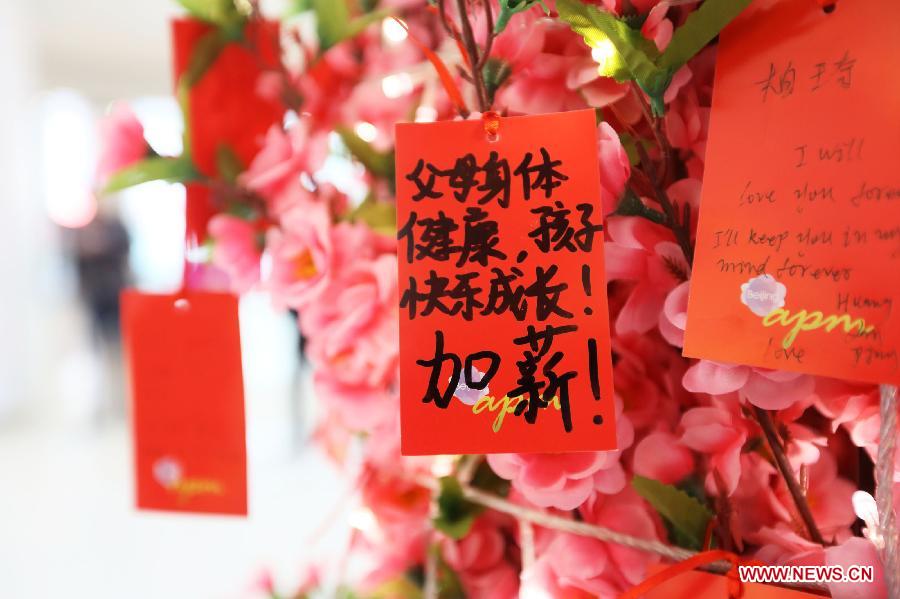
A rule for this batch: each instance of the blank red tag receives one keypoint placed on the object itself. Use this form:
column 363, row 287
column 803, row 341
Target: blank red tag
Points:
column 184, row 360
column 504, row 334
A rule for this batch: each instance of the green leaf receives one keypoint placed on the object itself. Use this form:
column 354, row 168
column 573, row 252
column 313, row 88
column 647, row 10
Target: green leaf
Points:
column 216, row 12
column 227, row 163
column 631, row 205
column 378, row 163
column 205, row 54
column 381, row 217
column 158, row 168
column 396, row 588
column 455, row 513
column 687, row 516
column 699, row 29
column 495, row 74
column 510, row 7
column 627, row 55
column 332, row 21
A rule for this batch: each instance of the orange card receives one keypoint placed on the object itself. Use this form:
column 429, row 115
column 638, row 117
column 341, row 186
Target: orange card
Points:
column 187, row 401
column 504, row 334
column 799, row 235
column 702, row 585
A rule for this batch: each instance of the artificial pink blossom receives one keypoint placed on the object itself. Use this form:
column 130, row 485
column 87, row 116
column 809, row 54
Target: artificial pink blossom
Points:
column 275, row 171
column 121, row 140
column 615, row 169
column 856, row 551
column 828, row 496
column 646, row 254
column 673, row 319
column 237, row 250
column 479, row 559
column 593, row 568
column 303, row 254
column 719, row 431
column 663, row 457
column 767, row 389
column 566, row 480
column 352, row 330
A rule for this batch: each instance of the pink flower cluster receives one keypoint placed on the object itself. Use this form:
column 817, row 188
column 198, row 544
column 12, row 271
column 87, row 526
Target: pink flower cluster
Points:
column 681, row 422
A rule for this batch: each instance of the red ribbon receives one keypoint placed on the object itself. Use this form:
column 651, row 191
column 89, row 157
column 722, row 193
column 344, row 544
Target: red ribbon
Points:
column 735, row 586
column 443, row 72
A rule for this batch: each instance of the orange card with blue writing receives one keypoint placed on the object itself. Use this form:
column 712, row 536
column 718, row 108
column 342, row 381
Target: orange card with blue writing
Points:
column 504, row 333
column 183, row 355
column 798, row 246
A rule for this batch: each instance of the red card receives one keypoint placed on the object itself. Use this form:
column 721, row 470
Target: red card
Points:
column 799, row 233
column 224, row 108
column 702, row 585
column 184, row 362
column 504, row 333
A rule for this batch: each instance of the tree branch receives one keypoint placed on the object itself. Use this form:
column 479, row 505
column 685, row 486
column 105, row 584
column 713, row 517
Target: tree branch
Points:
column 787, row 473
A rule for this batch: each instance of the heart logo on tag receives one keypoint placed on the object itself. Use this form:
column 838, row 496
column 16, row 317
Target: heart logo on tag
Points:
column 167, row 471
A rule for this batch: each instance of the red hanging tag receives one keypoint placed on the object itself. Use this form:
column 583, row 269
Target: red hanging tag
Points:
column 225, row 112
column 504, row 335
column 183, row 354
column 797, row 243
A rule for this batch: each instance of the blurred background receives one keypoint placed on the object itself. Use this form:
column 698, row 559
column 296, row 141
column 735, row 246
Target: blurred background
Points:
column 67, row 525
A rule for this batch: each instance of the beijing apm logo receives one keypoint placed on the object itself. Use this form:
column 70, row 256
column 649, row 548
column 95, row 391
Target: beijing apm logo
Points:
column 763, row 294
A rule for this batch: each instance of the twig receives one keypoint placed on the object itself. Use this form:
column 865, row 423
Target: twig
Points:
column 526, row 543
column 472, row 51
column 656, row 128
column 601, row 533
column 680, row 226
column 787, row 473
column 884, row 483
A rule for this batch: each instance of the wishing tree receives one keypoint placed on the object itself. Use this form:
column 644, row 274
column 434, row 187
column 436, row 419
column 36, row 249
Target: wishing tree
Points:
column 730, row 463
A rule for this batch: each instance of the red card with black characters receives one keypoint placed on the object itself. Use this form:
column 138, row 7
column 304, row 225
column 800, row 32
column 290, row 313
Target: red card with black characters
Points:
column 504, row 334
column 183, row 355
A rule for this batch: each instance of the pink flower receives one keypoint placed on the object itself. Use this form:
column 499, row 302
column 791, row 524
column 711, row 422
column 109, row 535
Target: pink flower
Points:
column 767, row 389
column 394, row 522
column 856, row 551
column 545, row 84
column 657, row 27
column 687, row 126
column 673, row 319
column 520, row 43
column 353, row 328
column 614, row 167
column 829, row 498
column 720, row 432
column 573, row 566
column 358, row 407
column 566, row 480
column 122, row 142
column 275, row 171
column 236, row 250
column 302, row 252
column 645, row 253
column 662, row 456
column 479, row 559
column 782, row 546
